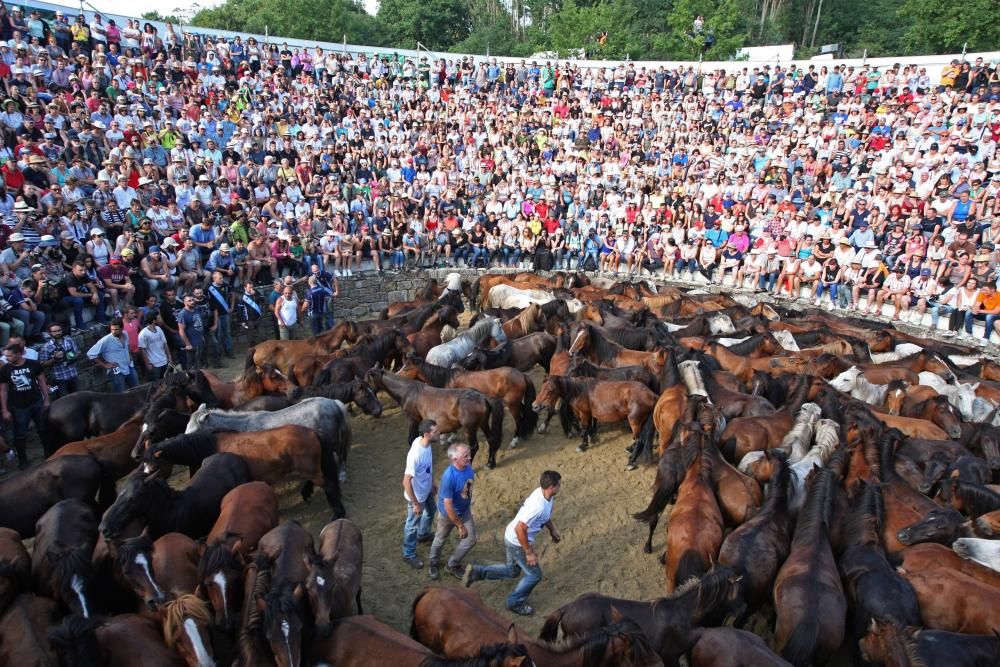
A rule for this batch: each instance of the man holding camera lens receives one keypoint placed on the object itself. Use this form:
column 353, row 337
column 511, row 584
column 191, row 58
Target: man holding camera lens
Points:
column 58, row 357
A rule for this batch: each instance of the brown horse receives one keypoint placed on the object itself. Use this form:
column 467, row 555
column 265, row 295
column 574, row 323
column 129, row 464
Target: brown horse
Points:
column 247, row 513
column 453, row 622
column 270, row 456
column 529, row 321
column 186, row 622
column 953, row 601
column 452, row 409
column 588, row 341
column 430, row 335
column 23, row 629
column 282, row 353
column 696, row 523
column 748, row 434
column 286, row 550
column 360, row 641
column 15, row 567
column 535, row 349
column 927, row 557
column 256, row 381
column 808, row 597
column 972, row 500
column 668, row 622
column 387, row 349
column 739, row 495
column 729, row 646
column 112, row 451
column 894, row 646
column 988, row 525
column 125, row 640
column 510, row 385
column 251, row 648
column 744, row 367
column 334, row 580
column 757, row 548
column 157, row 571
column 60, row 558
column 592, row 402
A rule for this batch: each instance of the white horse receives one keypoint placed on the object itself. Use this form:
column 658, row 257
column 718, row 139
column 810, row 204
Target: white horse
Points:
column 786, row 340
column 901, row 351
column 693, row 381
column 797, row 441
column 984, row 552
column 446, row 354
column 962, row 396
column 852, row 382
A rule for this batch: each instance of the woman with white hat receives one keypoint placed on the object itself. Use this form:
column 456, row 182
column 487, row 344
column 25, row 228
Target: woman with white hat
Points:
column 98, row 247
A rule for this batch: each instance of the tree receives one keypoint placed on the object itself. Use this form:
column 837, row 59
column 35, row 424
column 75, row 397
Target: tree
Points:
column 437, row 24
column 326, row 20
column 943, row 28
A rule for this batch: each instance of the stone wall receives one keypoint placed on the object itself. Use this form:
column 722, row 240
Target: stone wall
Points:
column 363, row 297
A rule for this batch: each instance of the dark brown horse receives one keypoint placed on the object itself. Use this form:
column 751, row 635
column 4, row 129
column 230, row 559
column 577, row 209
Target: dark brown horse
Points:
column 808, row 597
column 256, row 381
column 729, row 646
column 246, row 514
column 157, row 571
column 594, row 402
column 25, row 496
column 430, row 335
column 453, row 622
column 86, row 414
column 116, row 641
column 388, row 349
column 757, row 548
column 667, row 622
column 953, row 601
column 270, row 457
column 894, row 646
column 60, row 559
column 151, row 501
column 334, row 580
column 15, row 567
column 452, row 409
column 510, row 385
column 251, row 647
column 360, row 641
column 23, row 631
column 282, row 354
column 524, row 353
column 286, row 552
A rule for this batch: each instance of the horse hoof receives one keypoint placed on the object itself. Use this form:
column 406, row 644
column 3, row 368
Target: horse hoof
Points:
column 581, row 448
column 513, row 443
column 490, row 465
column 647, row 549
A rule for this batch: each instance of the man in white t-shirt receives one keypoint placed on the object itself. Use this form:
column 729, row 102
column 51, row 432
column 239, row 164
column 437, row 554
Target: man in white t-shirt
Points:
column 154, row 348
column 519, row 539
column 419, row 491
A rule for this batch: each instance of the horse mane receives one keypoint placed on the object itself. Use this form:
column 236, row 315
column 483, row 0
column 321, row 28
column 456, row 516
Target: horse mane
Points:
column 527, row 317
column 602, row 347
column 713, row 588
column 748, row 346
column 73, row 561
column 437, row 376
column 980, row 499
column 280, row 602
column 570, row 388
column 128, row 549
column 340, row 391
column 864, row 521
column 476, row 331
column 910, row 644
column 814, row 517
column 419, row 316
column 490, row 655
column 75, row 642
column 217, row 557
column 176, row 611
column 199, row 441
column 777, row 491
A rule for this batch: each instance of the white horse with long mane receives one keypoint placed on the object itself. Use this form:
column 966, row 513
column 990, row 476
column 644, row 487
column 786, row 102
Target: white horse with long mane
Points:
column 508, row 297
column 446, row 354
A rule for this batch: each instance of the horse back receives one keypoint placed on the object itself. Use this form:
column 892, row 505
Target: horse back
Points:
column 24, row 632
column 175, row 563
column 247, row 513
column 285, row 546
column 27, row 495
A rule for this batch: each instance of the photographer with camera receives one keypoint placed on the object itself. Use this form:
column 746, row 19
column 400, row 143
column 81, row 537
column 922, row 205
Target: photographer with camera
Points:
column 58, row 357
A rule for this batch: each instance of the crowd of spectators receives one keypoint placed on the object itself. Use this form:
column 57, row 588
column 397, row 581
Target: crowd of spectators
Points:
column 151, row 173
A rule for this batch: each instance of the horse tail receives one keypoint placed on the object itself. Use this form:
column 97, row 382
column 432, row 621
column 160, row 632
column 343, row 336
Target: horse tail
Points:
column 689, row 566
column 47, row 434
column 550, row 629
column 474, row 299
column 661, row 498
column 494, row 436
column 414, row 632
column 384, row 313
column 801, row 643
column 644, row 443
column 566, row 417
column 528, row 419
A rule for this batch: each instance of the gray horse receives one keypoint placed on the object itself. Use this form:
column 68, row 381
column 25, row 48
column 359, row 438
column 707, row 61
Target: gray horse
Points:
column 328, row 417
column 447, row 354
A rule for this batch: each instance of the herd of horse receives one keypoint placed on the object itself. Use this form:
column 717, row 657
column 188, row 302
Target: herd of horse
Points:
column 830, row 484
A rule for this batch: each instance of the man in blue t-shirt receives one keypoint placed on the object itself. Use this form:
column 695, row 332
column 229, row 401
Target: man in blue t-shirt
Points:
column 454, row 511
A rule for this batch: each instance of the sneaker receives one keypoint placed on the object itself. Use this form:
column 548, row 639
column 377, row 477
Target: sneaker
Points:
column 469, row 576
column 350, row 273
column 948, row 334
column 336, row 273
column 456, row 571
column 413, row 562
column 432, row 571
column 522, row 609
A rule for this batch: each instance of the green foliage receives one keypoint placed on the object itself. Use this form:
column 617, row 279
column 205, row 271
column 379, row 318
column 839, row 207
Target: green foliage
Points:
column 157, row 16
column 637, row 29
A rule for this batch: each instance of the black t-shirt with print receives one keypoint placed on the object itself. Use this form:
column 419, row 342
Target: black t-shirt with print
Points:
column 23, row 389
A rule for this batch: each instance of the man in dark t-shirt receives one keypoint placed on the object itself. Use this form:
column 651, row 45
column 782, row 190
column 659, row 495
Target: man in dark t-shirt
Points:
column 24, row 394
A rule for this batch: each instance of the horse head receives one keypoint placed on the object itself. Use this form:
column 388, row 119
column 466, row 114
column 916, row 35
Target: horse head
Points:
column 186, row 623
column 320, row 587
column 942, row 525
column 220, row 572
column 134, row 558
column 283, row 624
column 135, row 498
column 365, row 398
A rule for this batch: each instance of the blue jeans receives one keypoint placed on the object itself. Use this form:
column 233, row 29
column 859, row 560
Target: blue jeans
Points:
column 33, row 320
column 511, row 255
column 222, row 337
column 583, row 260
column 990, row 319
column 767, row 280
column 831, row 288
column 418, row 527
column 686, row 265
column 77, row 303
column 517, row 562
column 937, row 310
column 119, row 380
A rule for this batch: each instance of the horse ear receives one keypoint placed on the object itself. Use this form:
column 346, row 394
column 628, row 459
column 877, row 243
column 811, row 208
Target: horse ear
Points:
column 299, row 593
column 616, row 616
column 512, row 634
column 237, row 546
